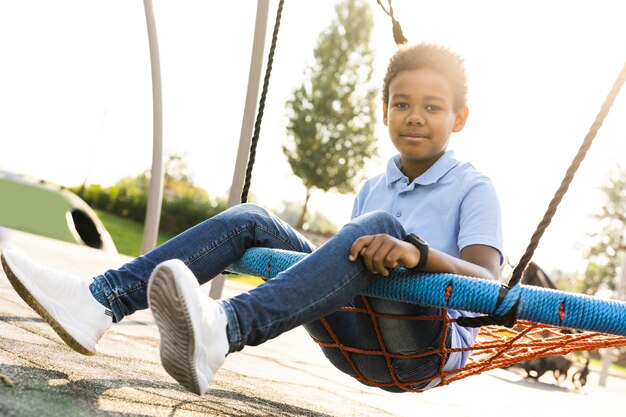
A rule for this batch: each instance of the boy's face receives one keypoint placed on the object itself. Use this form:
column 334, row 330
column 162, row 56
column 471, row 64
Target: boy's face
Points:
column 420, row 116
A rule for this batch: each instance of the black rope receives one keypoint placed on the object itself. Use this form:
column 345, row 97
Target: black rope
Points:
column 509, row 318
column 398, row 36
column 569, row 176
column 257, row 125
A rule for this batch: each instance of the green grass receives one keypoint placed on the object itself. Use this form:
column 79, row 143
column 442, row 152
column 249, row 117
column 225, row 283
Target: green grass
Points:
column 128, row 235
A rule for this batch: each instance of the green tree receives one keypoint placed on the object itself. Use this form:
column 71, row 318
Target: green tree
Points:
column 332, row 114
column 607, row 253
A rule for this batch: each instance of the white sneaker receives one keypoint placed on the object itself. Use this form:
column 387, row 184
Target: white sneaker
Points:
column 194, row 343
column 62, row 300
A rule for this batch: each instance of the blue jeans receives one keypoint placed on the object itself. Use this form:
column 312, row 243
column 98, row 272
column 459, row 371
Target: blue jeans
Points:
column 313, row 288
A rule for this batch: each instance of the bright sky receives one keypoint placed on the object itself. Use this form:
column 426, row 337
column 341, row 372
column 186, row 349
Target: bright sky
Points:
column 75, row 96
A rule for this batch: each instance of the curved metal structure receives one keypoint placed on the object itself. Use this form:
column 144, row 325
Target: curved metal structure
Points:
column 155, row 196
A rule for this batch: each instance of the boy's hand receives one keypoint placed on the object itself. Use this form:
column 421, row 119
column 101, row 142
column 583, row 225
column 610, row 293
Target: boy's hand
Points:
column 383, row 252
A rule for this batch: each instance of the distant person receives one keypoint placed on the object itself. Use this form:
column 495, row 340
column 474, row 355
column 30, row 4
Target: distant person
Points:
column 424, row 195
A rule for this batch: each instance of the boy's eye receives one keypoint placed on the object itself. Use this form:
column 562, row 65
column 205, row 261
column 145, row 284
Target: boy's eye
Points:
column 401, row 105
column 433, row 108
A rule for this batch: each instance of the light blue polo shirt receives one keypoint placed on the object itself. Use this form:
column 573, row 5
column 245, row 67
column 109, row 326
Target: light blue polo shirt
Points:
column 451, row 206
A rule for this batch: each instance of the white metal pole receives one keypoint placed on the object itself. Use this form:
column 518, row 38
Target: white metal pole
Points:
column 247, row 125
column 155, row 195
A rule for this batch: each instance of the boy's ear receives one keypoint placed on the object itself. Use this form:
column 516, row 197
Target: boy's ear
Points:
column 385, row 109
column 460, row 119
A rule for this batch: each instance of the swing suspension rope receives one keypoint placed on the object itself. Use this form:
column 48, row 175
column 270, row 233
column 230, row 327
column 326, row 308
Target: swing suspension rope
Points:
column 257, row 124
column 519, row 322
column 518, row 271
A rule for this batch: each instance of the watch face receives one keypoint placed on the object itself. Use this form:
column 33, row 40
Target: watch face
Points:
column 416, row 240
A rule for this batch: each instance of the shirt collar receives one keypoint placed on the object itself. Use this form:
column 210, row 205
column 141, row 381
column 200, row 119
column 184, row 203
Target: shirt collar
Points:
column 444, row 164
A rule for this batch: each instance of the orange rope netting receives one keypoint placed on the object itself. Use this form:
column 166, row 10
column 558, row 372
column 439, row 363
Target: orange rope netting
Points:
column 495, row 347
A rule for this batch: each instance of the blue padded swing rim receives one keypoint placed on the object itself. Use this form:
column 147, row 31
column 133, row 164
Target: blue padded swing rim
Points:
column 535, row 304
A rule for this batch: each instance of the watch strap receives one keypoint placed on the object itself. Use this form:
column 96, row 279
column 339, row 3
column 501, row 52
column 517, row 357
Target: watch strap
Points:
column 422, row 246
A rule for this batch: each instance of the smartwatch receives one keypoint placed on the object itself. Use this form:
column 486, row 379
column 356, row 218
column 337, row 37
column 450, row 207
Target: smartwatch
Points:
column 422, row 246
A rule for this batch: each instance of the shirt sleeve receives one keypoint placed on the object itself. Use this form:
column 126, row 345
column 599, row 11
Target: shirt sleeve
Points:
column 480, row 220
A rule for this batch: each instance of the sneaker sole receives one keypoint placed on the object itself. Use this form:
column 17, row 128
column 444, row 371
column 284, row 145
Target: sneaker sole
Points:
column 39, row 309
column 171, row 314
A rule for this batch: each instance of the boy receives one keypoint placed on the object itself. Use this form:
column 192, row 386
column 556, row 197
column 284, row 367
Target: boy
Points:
column 424, row 195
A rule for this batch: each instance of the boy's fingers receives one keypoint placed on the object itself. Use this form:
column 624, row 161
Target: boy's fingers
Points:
column 379, row 253
column 387, row 257
column 358, row 246
column 394, row 258
column 371, row 253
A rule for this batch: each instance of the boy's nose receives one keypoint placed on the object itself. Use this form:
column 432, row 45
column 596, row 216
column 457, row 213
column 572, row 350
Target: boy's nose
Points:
column 415, row 119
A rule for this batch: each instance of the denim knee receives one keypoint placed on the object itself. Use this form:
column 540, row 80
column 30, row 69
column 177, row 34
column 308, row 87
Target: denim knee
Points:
column 379, row 221
column 249, row 209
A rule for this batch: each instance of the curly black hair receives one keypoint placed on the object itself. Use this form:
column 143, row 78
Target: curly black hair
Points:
column 431, row 56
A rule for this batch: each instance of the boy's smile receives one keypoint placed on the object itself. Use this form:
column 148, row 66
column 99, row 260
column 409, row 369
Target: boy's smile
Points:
column 420, row 116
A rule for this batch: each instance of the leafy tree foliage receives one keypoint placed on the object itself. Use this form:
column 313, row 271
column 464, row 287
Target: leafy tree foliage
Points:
column 332, row 114
column 607, row 255
column 184, row 204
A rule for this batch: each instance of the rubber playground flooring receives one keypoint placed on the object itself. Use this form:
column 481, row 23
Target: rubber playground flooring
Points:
column 287, row 376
